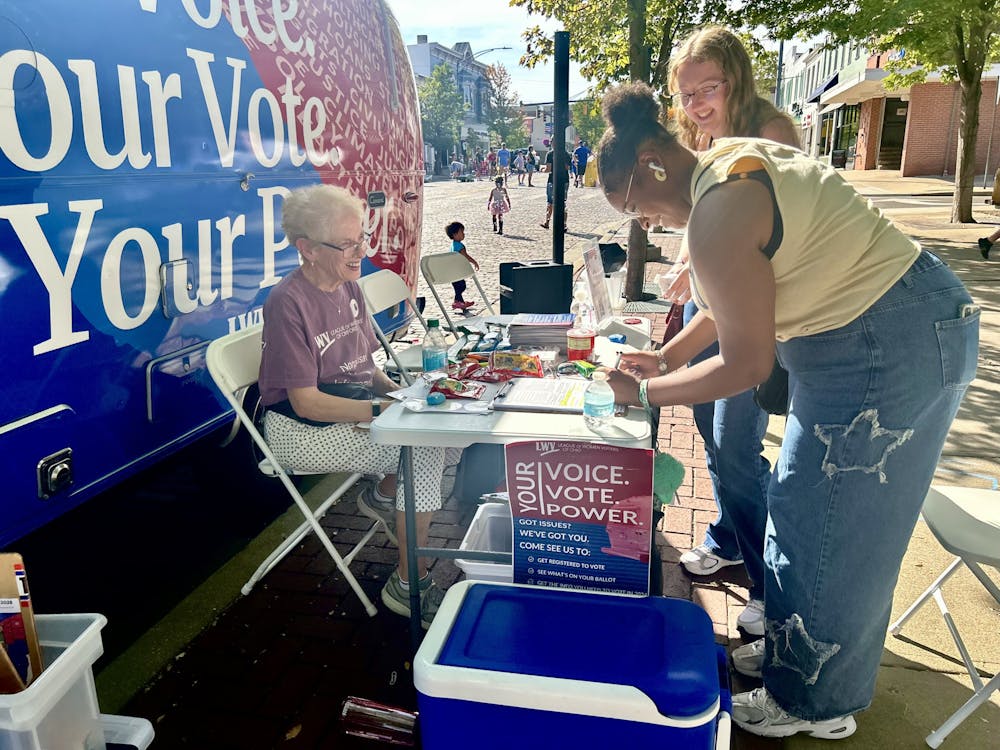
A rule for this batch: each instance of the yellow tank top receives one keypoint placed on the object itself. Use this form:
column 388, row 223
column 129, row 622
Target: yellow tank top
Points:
column 837, row 255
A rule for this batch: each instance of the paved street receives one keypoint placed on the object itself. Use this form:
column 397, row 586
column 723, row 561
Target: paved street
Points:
column 590, row 217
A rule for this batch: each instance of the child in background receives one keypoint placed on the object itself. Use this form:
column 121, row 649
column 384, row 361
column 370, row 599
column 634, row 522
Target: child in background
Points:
column 456, row 233
column 498, row 204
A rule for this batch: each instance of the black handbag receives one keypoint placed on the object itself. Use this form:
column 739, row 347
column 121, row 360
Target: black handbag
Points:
column 772, row 394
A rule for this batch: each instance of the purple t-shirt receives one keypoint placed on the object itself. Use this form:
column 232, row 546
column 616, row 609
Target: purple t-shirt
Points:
column 313, row 337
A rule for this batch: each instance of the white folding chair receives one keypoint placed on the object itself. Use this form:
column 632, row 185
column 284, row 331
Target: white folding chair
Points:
column 234, row 364
column 966, row 521
column 383, row 291
column 446, row 268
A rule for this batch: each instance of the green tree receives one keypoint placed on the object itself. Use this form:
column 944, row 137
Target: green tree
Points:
column 503, row 112
column 442, row 109
column 585, row 115
column 955, row 37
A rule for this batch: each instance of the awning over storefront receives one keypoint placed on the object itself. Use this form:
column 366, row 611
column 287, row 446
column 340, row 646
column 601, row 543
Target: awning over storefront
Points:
column 831, row 107
column 818, row 91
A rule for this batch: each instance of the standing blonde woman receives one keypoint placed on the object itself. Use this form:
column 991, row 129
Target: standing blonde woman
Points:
column 714, row 97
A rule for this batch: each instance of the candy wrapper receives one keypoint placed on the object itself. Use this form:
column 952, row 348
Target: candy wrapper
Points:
column 516, row 364
column 452, row 388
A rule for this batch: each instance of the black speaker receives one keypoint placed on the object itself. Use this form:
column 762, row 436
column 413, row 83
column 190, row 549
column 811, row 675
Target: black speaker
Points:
column 535, row 286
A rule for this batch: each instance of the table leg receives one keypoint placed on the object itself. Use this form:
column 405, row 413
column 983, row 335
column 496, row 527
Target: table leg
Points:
column 410, row 505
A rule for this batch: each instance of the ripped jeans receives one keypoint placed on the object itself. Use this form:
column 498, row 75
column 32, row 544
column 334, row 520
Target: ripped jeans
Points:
column 871, row 404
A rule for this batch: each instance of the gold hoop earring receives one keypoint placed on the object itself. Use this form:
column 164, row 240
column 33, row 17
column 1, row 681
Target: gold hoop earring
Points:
column 658, row 172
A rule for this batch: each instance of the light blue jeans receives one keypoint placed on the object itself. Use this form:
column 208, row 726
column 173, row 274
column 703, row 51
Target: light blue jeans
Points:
column 733, row 432
column 871, row 404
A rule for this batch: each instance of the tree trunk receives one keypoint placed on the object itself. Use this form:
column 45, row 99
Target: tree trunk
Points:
column 965, row 163
column 639, row 71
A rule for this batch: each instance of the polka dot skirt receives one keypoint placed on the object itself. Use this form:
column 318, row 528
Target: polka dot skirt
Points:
column 344, row 446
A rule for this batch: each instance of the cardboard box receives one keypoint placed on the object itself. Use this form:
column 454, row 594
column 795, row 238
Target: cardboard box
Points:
column 20, row 654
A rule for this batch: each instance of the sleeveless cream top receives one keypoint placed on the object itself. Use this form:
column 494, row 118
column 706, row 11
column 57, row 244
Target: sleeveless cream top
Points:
column 837, row 253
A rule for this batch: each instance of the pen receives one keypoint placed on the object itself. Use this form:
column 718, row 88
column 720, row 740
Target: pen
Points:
column 504, row 388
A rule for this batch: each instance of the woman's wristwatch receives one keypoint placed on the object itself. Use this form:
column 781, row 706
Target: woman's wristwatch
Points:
column 376, row 407
column 661, row 362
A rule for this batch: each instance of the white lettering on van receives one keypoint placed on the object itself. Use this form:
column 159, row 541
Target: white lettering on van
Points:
column 93, row 127
column 112, row 289
column 272, row 245
column 58, row 282
column 225, row 139
column 60, row 112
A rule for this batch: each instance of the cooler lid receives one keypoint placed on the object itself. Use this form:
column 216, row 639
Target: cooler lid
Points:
column 665, row 648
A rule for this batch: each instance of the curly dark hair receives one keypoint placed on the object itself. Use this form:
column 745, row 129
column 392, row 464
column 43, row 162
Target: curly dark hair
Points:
column 453, row 228
column 632, row 113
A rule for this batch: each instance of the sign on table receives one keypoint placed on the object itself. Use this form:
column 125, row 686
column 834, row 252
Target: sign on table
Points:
column 583, row 515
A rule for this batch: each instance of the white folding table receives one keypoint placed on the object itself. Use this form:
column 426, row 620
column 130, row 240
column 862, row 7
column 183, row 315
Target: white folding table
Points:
column 399, row 426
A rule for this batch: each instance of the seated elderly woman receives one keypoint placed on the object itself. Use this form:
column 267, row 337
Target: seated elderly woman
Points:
column 318, row 380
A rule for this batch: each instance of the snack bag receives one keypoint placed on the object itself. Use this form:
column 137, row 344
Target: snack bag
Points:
column 452, row 388
column 516, row 364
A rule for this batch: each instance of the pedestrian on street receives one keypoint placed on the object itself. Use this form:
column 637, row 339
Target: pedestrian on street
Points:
column 503, row 162
column 456, row 233
column 498, row 204
column 519, row 167
column 880, row 340
column 712, row 76
column 986, row 244
column 582, row 156
column 531, row 163
column 550, row 189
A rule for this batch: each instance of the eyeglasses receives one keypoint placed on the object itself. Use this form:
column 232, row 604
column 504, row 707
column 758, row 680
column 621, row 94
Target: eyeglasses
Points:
column 628, row 191
column 709, row 91
column 355, row 246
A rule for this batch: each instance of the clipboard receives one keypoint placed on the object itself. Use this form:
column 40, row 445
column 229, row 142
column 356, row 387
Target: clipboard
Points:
column 544, row 395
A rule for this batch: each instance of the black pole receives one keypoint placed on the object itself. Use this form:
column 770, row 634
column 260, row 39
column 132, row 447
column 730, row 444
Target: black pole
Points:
column 560, row 176
column 781, row 70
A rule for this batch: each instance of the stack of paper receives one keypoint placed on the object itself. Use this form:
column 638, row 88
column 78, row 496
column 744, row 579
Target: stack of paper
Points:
column 540, row 329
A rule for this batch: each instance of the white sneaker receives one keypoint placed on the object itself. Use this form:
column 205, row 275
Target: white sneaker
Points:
column 749, row 659
column 757, row 713
column 701, row 561
column 751, row 619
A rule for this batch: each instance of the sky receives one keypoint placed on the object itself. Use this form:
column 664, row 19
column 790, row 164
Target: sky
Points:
column 485, row 24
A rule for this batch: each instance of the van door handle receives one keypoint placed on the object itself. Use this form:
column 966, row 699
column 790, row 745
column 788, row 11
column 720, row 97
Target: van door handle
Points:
column 410, row 197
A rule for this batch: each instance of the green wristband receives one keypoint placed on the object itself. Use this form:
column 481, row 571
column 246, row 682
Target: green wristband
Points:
column 643, row 394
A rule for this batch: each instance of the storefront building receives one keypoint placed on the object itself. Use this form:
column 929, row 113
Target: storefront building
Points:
column 850, row 119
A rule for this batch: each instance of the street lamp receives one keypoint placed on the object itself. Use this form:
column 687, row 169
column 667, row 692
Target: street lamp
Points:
column 491, row 49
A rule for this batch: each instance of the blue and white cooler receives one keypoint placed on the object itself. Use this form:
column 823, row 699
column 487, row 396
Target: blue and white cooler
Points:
column 521, row 666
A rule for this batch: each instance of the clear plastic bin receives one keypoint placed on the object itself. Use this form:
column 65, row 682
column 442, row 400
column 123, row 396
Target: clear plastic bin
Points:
column 127, row 731
column 58, row 711
column 491, row 530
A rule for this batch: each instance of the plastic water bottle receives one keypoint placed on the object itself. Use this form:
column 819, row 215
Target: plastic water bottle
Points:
column 580, row 338
column 583, row 312
column 598, row 402
column 435, row 349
